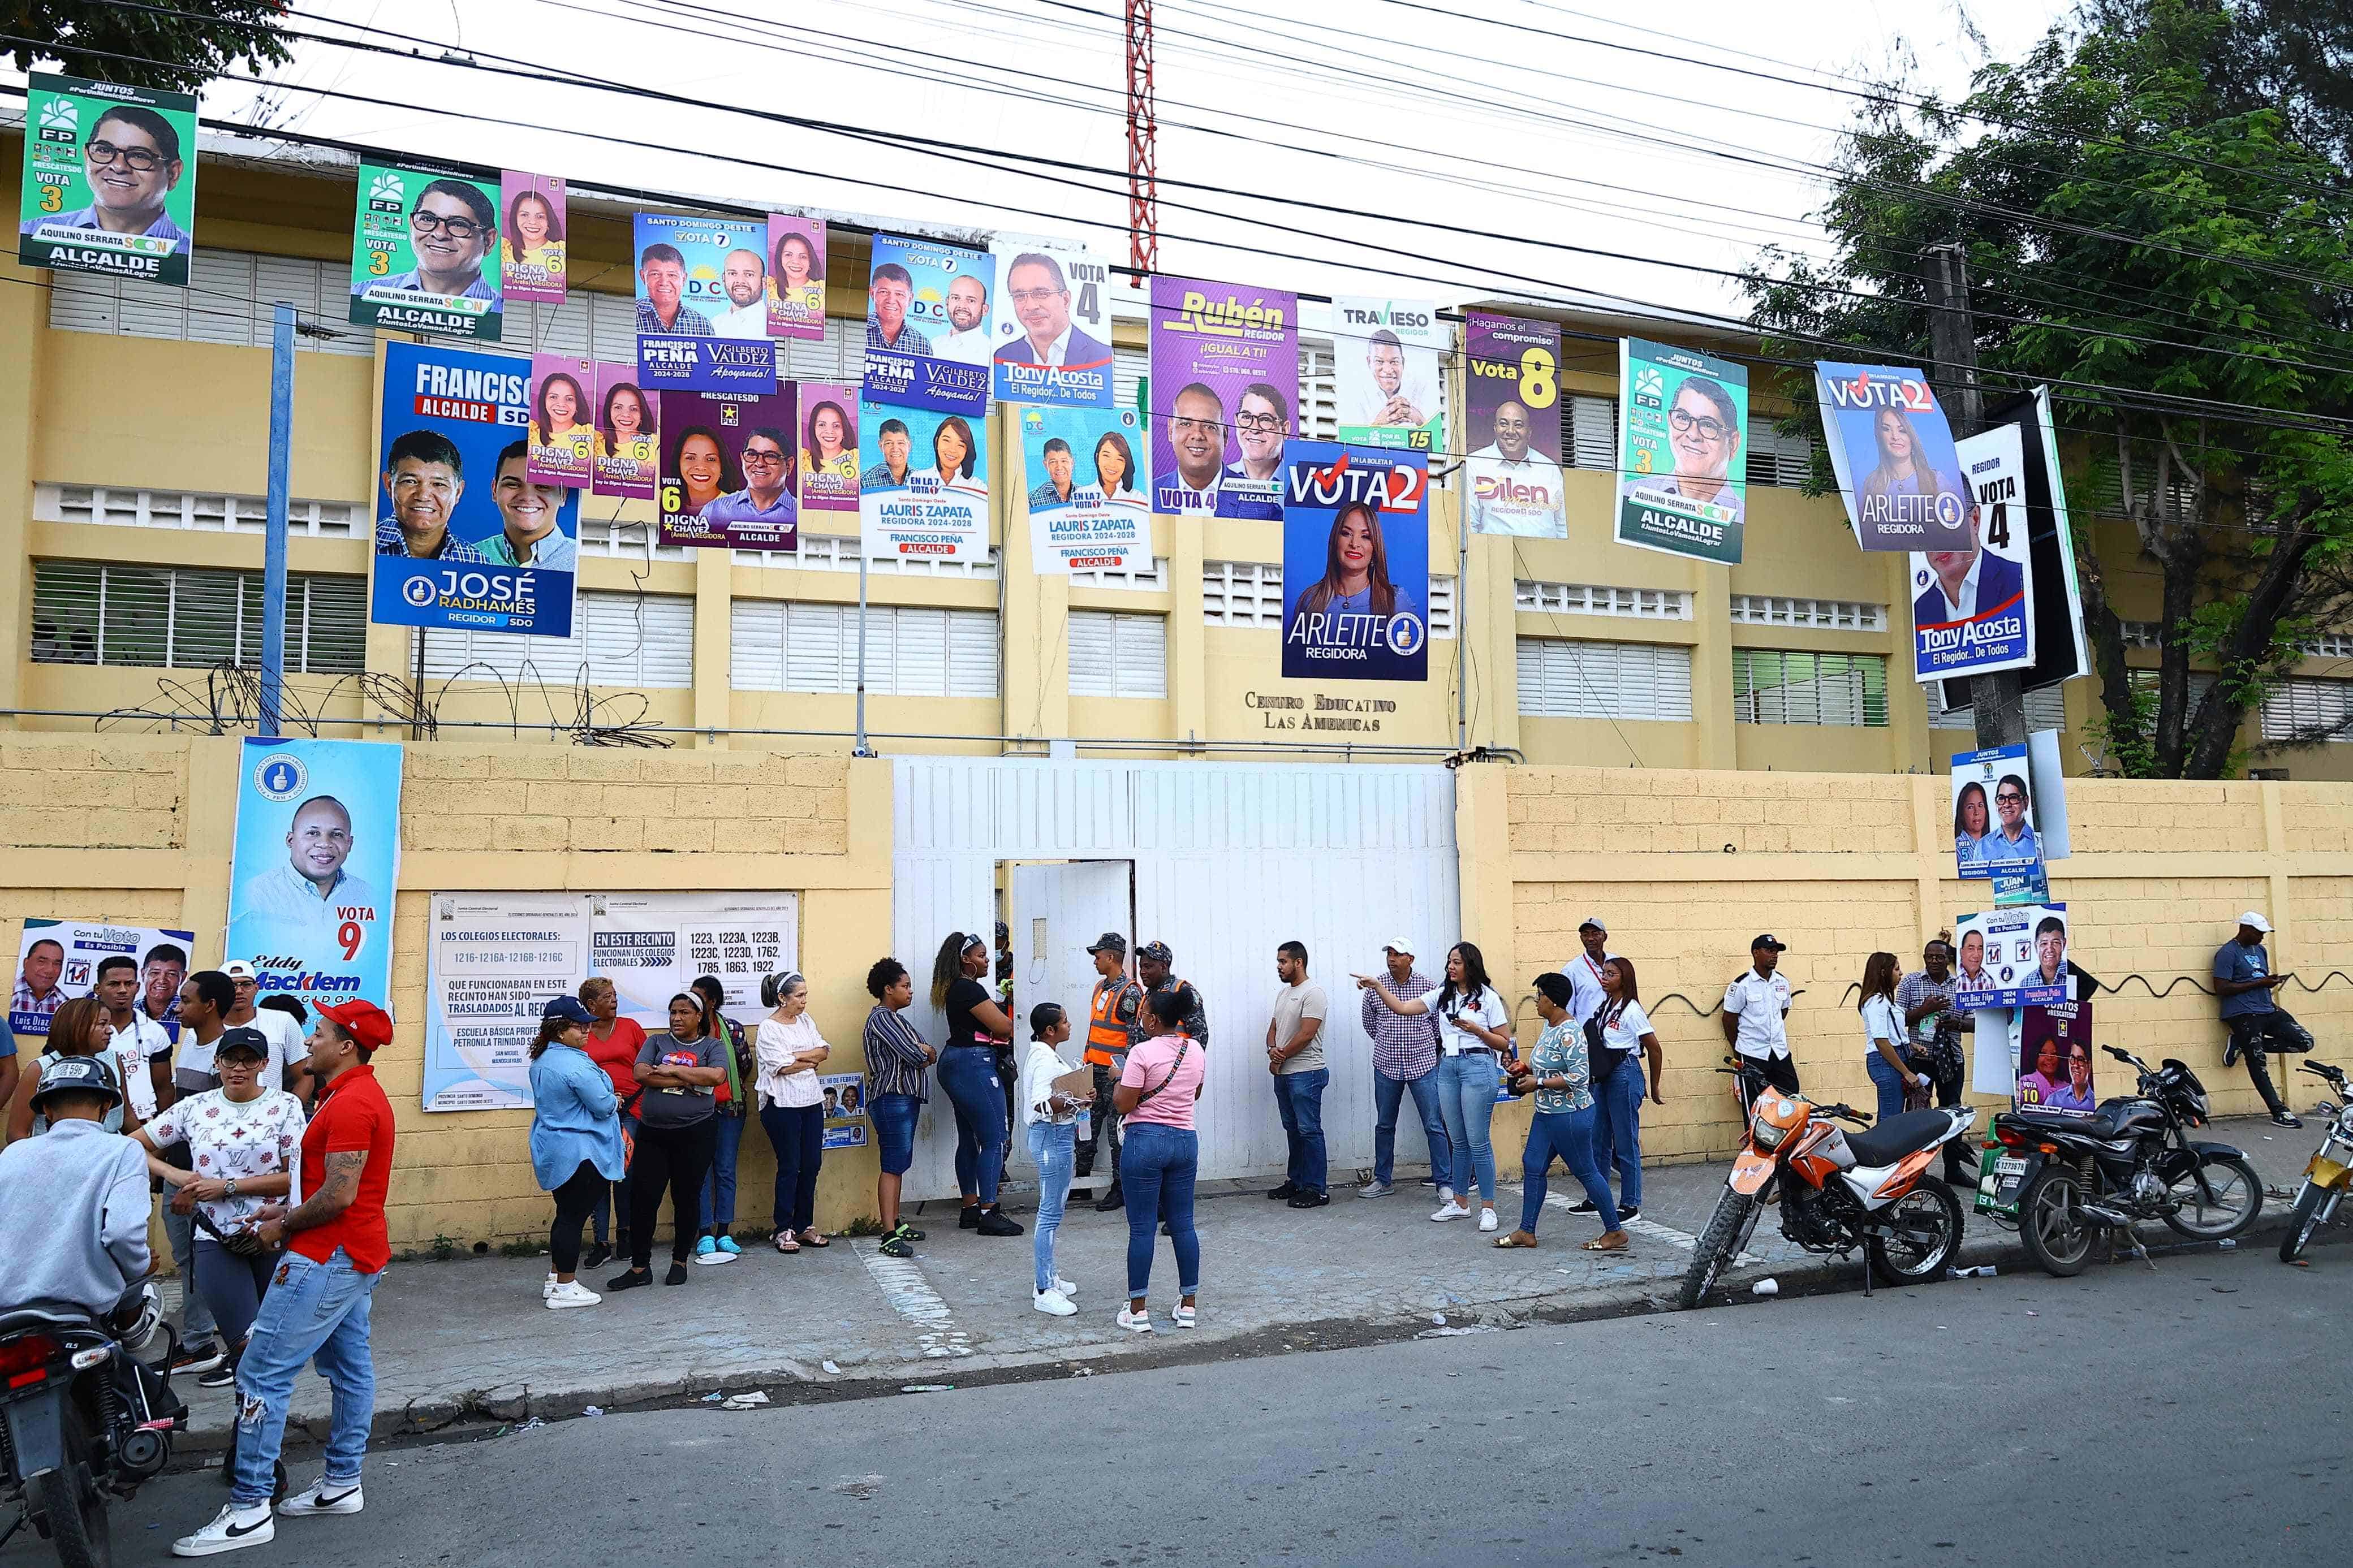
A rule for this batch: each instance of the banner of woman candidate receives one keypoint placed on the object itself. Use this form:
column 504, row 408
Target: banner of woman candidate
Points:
column 1513, row 427
column 423, row 253
column 1893, row 452
column 927, row 325
column 925, row 494
column 563, row 406
column 629, row 432
column 464, row 537
column 1051, row 326
column 316, row 860
column 795, row 277
column 702, row 304
column 109, row 179
column 1089, row 499
column 828, row 465
column 1682, row 458
column 1356, row 564
column 532, row 245
column 1225, row 376
column 1384, row 354
column 727, row 470
column 1973, row 609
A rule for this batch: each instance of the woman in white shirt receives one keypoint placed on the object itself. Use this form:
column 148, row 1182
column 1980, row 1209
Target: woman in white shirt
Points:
column 1627, row 1038
column 1051, row 1119
column 1883, row 1032
column 1473, row 1034
column 792, row 1106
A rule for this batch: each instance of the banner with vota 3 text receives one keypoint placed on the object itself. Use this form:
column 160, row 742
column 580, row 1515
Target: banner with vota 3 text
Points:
column 316, row 860
column 109, row 181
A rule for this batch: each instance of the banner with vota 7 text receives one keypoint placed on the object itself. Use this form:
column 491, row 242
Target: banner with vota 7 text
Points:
column 1893, row 452
column 109, row 179
column 316, row 859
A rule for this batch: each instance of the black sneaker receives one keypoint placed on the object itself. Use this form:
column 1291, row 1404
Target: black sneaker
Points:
column 221, row 1376
column 1081, row 1172
column 199, row 1358
column 1113, row 1199
column 676, row 1275
column 908, row 1232
column 2231, row 1052
column 1309, row 1199
column 630, row 1279
column 895, row 1245
column 968, row 1217
column 1583, row 1205
column 992, row 1221
column 1285, row 1191
column 596, row 1257
column 1634, row 1211
column 2286, row 1119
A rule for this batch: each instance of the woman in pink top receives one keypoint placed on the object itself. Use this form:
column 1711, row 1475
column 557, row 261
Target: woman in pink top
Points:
column 1156, row 1095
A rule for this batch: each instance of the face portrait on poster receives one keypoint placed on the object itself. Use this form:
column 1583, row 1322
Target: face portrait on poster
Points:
column 2055, row 1057
column 844, row 1099
column 1385, row 355
column 2013, row 958
column 532, row 247
column 109, row 179
column 563, row 404
column 795, row 277
column 1513, row 373
column 1683, row 457
column 628, row 434
column 925, row 494
column 828, row 461
column 57, row 960
column 1089, row 505
column 727, row 470
column 316, row 859
column 1993, row 812
column 1974, row 606
column 424, row 253
column 1893, row 454
column 927, row 325
column 1356, row 564
column 1225, row 389
column 702, row 304
column 1053, row 326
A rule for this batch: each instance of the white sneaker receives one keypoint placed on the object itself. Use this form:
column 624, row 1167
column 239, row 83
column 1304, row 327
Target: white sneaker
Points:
column 547, row 1286
column 231, row 1530
column 1486, row 1219
column 1375, row 1190
column 325, row 1496
column 1135, row 1322
column 1452, row 1208
column 1182, row 1317
column 574, row 1294
column 1053, row 1303
column 1064, row 1287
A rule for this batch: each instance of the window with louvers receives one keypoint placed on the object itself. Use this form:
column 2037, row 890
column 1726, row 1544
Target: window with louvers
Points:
column 1773, row 686
column 1561, row 677
column 636, row 641
column 793, row 645
column 191, row 617
column 1118, row 654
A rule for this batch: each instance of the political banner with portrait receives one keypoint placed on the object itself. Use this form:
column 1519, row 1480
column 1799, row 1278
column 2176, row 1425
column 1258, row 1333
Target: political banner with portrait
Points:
column 464, row 537
column 1973, row 612
column 653, row 946
column 492, row 961
column 925, row 494
column 1993, row 814
column 2013, row 958
column 1089, row 505
column 1893, row 452
column 1051, row 332
column 424, row 256
column 829, row 460
column 2054, row 1058
column 1385, row 357
column 1512, row 376
column 109, row 181
column 628, row 434
column 562, row 429
column 795, row 277
column 927, row 325
column 727, row 470
column 1224, row 380
column 844, row 1098
column 532, row 247
column 1356, row 564
column 1683, row 452
column 316, row 859
column 57, row 960
column 702, row 304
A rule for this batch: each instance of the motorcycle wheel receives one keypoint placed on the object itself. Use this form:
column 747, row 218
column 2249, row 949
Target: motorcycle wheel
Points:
column 70, row 1498
column 1718, row 1247
column 2302, row 1222
column 2050, row 1223
column 1932, row 1216
column 2239, row 1199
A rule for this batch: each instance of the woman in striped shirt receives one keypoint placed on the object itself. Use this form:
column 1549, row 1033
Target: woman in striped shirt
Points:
column 896, row 1059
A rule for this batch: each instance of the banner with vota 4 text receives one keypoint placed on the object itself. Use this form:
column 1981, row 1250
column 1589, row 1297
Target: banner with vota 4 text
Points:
column 110, row 180
column 1893, row 452
column 316, row 859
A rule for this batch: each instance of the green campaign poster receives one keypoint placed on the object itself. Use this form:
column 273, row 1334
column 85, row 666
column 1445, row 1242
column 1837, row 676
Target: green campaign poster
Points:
column 420, row 243
column 1682, row 461
column 109, row 179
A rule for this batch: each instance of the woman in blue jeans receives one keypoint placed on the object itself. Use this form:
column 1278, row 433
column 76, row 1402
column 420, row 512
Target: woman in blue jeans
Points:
column 1559, row 1074
column 1473, row 1034
column 1627, row 1038
column 970, row 1073
column 1050, row 1117
column 1882, row 1029
column 1160, row 1153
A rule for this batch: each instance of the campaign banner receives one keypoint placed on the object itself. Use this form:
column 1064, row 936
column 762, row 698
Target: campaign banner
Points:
column 1683, row 452
column 1974, row 612
column 1089, row 504
column 316, row 859
column 1384, row 354
column 845, row 1108
column 628, row 434
column 727, row 470
column 57, row 960
column 492, row 961
column 927, row 325
column 1050, row 331
column 1356, row 564
column 702, row 304
column 422, row 253
column 1893, row 454
column 1512, row 382
column 1225, row 380
column 2013, row 958
column 532, row 247
column 109, row 181
column 653, row 946
column 795, row 277
column 2054, row 1058
column 466, row 538
column 1993, row 813
column 927, row 495
column 828, row 465
column 563, row 436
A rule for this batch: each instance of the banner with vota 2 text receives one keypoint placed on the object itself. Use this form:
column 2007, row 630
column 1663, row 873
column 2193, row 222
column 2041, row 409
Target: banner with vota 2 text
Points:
column 110, row 180
column 424, row 253
column 1893, row 452
column 1682, row 452
column 1356, row 564
column 316, row 860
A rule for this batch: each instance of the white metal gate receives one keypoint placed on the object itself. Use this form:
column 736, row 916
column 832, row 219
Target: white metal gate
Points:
column 1230, row 859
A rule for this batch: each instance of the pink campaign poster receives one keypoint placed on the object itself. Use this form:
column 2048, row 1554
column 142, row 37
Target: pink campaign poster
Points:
column 629, row 433
column 829, row 447
column 531, row 237
column 563, row 404
column 795, row 277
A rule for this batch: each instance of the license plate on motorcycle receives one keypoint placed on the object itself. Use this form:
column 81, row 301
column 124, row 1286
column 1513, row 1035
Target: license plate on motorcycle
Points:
column 2009, row 1166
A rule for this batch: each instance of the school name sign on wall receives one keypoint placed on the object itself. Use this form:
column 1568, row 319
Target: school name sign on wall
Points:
column 1320, row 710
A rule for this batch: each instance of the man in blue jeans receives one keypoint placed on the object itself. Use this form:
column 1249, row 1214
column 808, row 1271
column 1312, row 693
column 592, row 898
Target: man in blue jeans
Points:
column 1295, row 1055
column 1405, row 1057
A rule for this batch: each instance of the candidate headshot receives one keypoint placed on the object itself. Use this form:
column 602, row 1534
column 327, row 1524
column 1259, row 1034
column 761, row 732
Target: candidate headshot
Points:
column 1115, row 468
column 132, row 164
column 1356, row 581
column 1393, row 402
column 797, row 265
column 2051, row 950
column 529, row 515
column 953, row 451
column 625, row 424
column 661, row 273
column 830, row 449
column 1902, row 469
column 2047, row 1071
column 966, row 338
column 1967, row 582
column 896, row 445
column 160, row 974
column 424, row 478
column 745, row 277
column 1510, row 430
column 36, row 980
column 767, row 494
column 890, row 294
column 534, row 231
column 1704, row 433
column 1973, row 976
column 851, row 1099
column 1041, row 303
column 1197, row 434
column 1059, row 488
column 311, row 887
column 450, row 230
column 2012, row 837
column 556, row 411
column 699, row 462
column 1971, row 820
column 1261, row 420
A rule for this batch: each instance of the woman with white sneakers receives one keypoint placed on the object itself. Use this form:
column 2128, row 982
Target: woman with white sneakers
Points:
column 1473, row 1037
column 1050, row 1122
column 575, row 1140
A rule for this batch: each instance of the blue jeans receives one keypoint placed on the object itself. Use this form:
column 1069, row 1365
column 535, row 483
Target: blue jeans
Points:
column 895, row 1116
column 1466, row 1097
column 1618, row 1130
column 1388, row 1095
column 1055, row 1151
column 313, row 1311
column 1888, row 1082
column 1156, row 1166
column 968, row 1074
column 719, row 1186
column 1568, row 1134
column 1299, row 1101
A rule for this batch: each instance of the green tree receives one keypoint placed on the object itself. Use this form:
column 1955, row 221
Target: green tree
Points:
column 2131, row 220
column 201, row 39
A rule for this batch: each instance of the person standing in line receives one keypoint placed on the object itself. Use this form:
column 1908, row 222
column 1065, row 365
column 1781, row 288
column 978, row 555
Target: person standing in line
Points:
column 1049, row 1122
column 1111, row 1029
column 1155, row 967
column 1157, row 1091
column 1756, row 1011
column 1883, row 1034
column 1584, row 972
column 613, row 1044
column 1618, row 1037
column 2244, row 980
column 1925, row 998
column 205, row 999
column 575, row 1141
column 1474, row 1034
column 716, row 1244
column 1294, row 1055
column 78, row 1028
column 968, row 1073
column 681, row 1069
column 896, row 1059
column 1564, row 1115
column 792, row 1107
column 285, row 1037
column 143, row 1049
column 1405, row 1057
column 1008, row 1061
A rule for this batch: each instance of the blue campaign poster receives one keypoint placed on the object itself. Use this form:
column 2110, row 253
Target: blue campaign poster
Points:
column 702, row 304
column 1356, row 563
column 316, row 860
column 927, row 325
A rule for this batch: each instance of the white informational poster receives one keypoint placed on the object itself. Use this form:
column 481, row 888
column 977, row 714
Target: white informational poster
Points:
column 652, row 946
column 492, row 961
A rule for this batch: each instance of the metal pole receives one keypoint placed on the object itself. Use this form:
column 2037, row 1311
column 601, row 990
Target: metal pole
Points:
column 863, row 749
column 1462, row 620
column 273, row 558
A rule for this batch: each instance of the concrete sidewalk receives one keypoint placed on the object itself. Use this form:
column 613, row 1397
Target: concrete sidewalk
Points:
column 469, row 1340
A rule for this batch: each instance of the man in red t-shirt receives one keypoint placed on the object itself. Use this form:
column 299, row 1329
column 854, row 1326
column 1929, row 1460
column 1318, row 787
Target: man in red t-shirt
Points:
column 316, row 1309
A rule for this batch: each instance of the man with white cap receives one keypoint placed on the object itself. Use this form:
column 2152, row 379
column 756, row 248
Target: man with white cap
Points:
column 1405, row 1056
column 2244, row 981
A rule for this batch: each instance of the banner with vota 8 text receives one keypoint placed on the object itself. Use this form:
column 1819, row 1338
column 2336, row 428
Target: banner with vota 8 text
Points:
column 1356, row 564
column 316, row 860
column 1893, row 452
column 1683, row 452
column 1225, row 380
column 109, row 179
column 1513, row 427
column 425, row 254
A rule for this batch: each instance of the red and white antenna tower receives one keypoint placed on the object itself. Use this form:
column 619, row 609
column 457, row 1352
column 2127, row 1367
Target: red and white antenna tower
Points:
column 1143, row 145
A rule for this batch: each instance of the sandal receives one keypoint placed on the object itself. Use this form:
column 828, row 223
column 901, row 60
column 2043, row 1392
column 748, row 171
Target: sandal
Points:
column 1603, row 1243
column 814, row 1238
column 1517, row 1238
column 785, row 1242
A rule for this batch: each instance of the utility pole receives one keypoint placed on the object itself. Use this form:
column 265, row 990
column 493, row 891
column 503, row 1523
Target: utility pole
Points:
column 273, row 550
column 1142, row 146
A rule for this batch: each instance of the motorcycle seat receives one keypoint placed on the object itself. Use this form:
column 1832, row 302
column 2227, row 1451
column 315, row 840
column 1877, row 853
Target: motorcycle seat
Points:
column 2100, row 1123
column 1897, row 1136
column 60, row 1316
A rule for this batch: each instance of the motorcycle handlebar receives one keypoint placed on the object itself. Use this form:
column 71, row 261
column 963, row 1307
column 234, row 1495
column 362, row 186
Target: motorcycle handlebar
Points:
column 2121, row 1055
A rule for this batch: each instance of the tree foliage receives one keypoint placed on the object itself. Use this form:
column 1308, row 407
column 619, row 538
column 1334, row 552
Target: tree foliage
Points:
column 199, row 39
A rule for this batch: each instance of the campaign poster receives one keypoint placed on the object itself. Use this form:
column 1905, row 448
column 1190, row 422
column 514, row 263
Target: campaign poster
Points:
column 492, row 962
column 423, row 253
column 928, row 307
column 57, row 960
column 2055, row 1057
column 109, row 179
column 1893, row 454
column 1683, row 452
column 727, row 470
column 1993, row 813
column 1384, row 354
column 628, row 434
column 463, row 537
column 1973, row 612
column 563, row 422
column 653, row 946
column 2013, row 958
column 316, row 859
column 1225, row 383
column 702, row 304
column 1090, row 498
column 925, row 493
column 1356, row 564
column 829, row 464
column 1050, row 332
column 1511, row 374
column 531, row 244
column 795, row 277
column 845, row 1108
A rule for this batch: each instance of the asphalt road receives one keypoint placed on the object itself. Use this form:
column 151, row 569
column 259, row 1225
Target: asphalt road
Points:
column 2198, row 1413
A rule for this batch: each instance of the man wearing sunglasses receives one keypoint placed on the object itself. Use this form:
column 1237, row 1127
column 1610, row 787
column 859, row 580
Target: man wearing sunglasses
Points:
column 767, row 493
column 450, row 229
column 131, row 162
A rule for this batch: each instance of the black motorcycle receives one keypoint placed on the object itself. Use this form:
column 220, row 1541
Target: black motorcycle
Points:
column 2075, row 1179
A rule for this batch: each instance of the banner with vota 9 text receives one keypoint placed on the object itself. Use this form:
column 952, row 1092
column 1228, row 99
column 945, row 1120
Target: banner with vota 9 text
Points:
column 1513, row 427
column 424, row 253
column 1683, row 452
column 1356, row 564
column 316, row 860
column 1893, row 452
column 109, row 179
